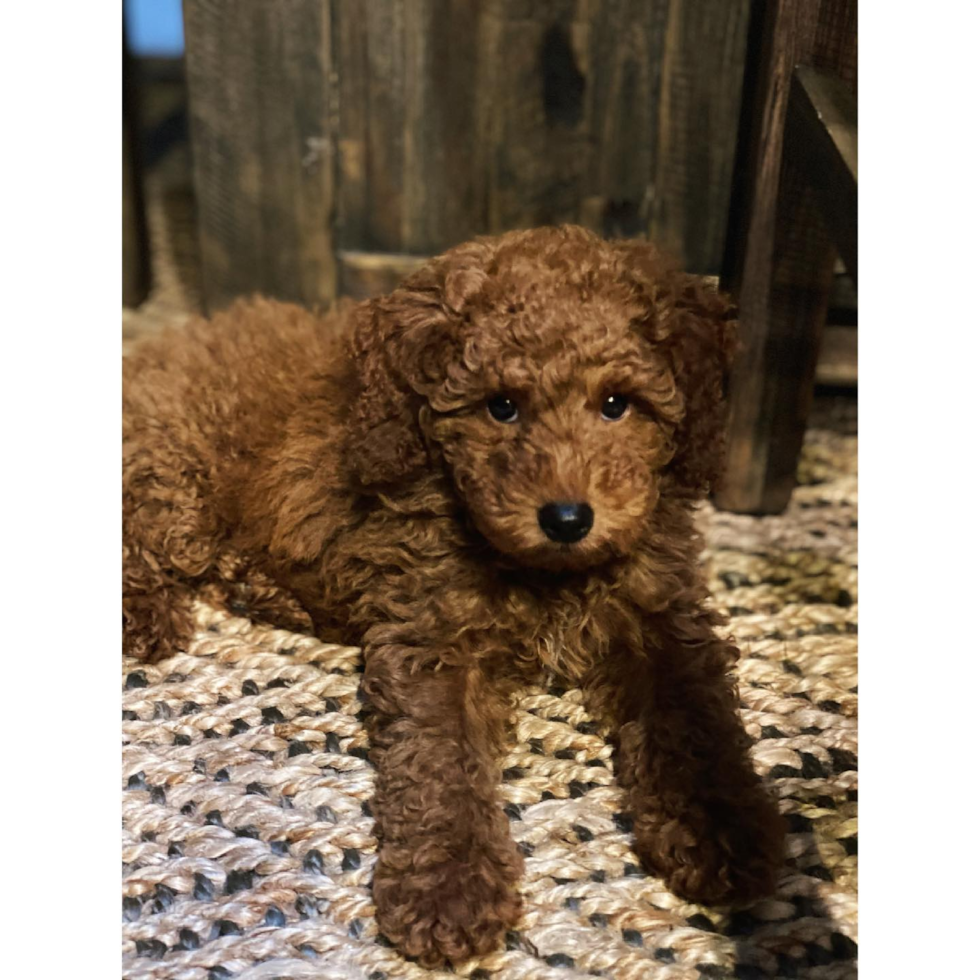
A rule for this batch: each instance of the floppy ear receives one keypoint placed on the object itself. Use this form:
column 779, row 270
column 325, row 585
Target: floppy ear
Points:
column 401, row 346
column 702, row 347
column 384, row 443
column 695, row 327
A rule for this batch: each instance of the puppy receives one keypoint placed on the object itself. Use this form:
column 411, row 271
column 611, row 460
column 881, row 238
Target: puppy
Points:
column 487, row 475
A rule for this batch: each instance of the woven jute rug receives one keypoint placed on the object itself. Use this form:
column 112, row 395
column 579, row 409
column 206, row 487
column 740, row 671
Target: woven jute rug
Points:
column 247, row 831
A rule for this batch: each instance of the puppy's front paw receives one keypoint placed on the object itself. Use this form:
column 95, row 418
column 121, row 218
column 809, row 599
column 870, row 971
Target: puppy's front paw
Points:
column 714, row 852
column 157, row 625
column 447, row 909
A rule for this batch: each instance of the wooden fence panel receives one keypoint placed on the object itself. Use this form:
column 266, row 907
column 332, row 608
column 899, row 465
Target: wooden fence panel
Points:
column 402, row 127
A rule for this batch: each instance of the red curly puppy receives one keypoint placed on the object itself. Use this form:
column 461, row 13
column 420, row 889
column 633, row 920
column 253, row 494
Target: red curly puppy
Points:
column 487, row 474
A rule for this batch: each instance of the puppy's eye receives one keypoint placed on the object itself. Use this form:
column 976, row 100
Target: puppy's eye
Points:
column 614, row 407
column 502, row 408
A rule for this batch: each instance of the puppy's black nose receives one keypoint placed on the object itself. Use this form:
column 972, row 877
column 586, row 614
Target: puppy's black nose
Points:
column 565, row 522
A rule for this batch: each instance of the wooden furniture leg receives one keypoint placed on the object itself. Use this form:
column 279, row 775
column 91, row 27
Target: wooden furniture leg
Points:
column 781, row 250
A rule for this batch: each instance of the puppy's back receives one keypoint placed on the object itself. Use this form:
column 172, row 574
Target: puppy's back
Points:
column 232, row 380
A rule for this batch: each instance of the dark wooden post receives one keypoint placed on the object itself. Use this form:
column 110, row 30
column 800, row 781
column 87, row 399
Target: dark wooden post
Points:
column 780, row 253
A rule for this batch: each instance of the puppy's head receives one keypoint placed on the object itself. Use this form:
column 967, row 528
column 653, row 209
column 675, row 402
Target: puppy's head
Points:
column 568, row 383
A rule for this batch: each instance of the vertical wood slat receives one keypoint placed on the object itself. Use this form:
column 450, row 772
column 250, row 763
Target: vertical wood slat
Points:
column 261, row 113
column 410, row 178
column 534, row 84
column 697, row 128
column 135, row 239
column 406, row 126
column 822, row 120
column 780, row 259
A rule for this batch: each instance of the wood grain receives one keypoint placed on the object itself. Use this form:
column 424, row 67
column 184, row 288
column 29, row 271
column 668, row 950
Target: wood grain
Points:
column 261, row 122
column 458, row 119
column 704, row 54
column 408, row 126
column 822, row 120
column 135, row 241
column 410, row 179
column 779, row 259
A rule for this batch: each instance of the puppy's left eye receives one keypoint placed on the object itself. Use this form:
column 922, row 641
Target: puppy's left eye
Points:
column 614, row 407
column 502, row 408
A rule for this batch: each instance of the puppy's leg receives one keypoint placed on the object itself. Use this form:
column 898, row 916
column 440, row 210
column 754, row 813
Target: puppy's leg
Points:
column 170, row 540
column 445, row 882
column 702, row 818
column 243, row 590
column 157, row 618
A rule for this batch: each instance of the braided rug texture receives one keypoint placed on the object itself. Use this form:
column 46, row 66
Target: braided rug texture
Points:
column 247, row 832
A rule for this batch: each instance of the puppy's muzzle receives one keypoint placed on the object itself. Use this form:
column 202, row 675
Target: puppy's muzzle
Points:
column 565, row 522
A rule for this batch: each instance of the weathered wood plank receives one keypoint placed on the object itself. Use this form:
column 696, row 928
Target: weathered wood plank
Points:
column 703, row 64
column 135, row 241
column 625, row 76
column 535, row 80
column 410, row 177
column 445, row 188
column 822, row 116
column 621, row 116
column 354, row 203
column 780, row 260
column 261, row 124
column 406, row 126
column 459, row 119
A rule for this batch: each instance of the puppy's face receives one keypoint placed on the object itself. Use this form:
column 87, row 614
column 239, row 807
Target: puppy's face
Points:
column 566, row 381
column 558, row 421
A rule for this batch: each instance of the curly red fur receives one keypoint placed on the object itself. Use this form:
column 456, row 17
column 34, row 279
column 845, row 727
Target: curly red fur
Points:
column 342, row 474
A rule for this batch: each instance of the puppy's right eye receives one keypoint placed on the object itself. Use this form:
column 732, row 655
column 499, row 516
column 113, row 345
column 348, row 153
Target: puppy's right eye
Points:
column 502, row 408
